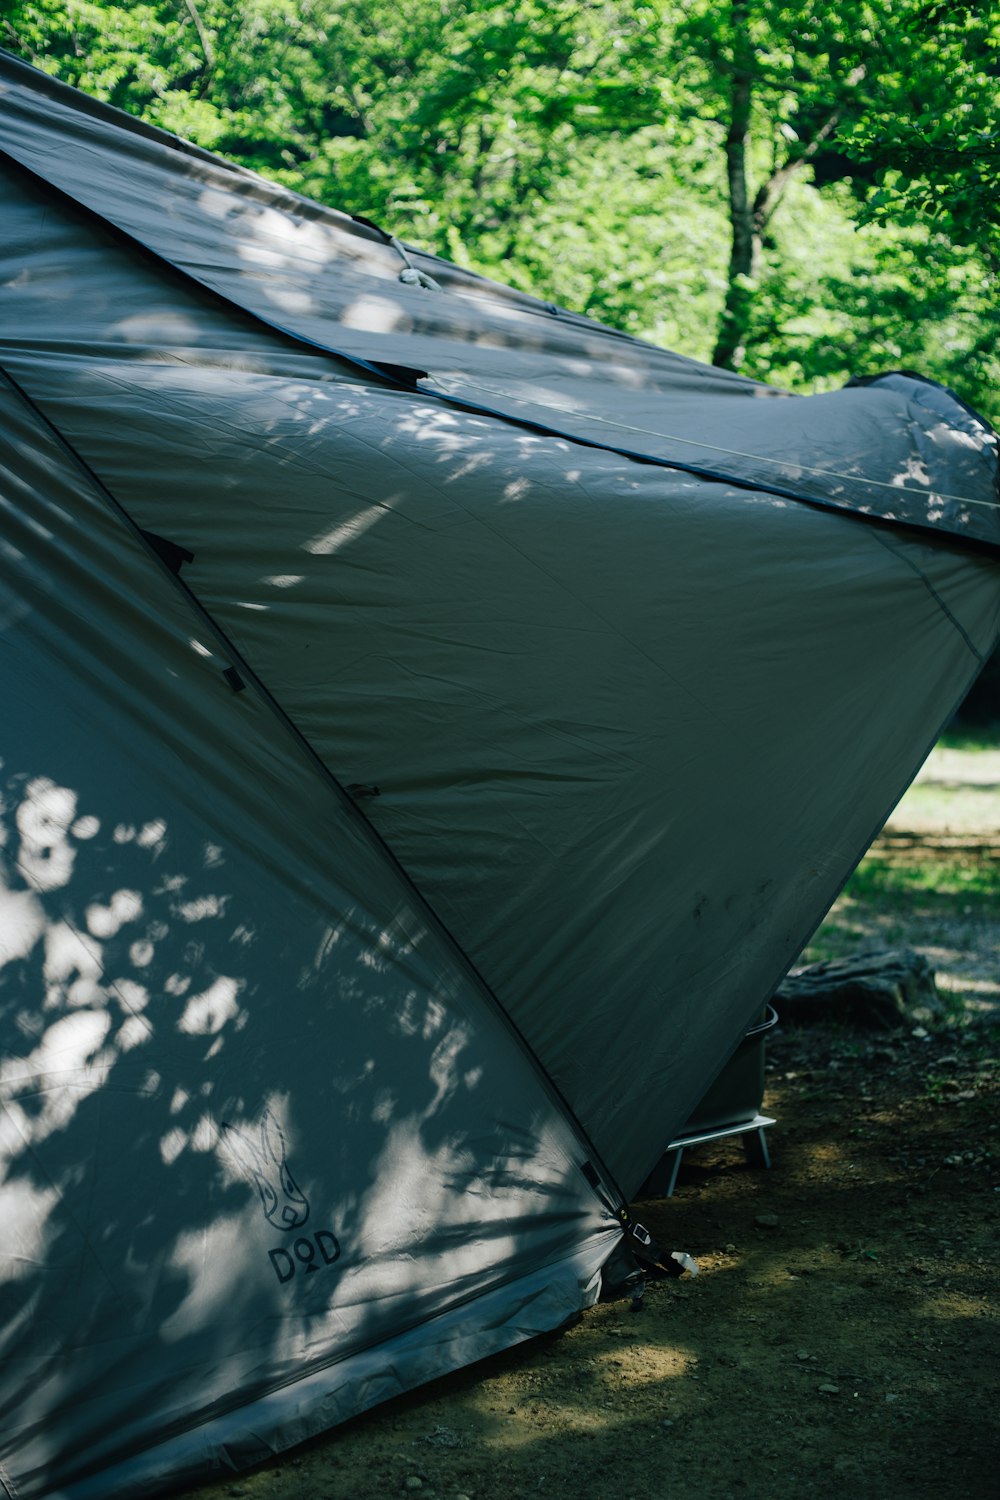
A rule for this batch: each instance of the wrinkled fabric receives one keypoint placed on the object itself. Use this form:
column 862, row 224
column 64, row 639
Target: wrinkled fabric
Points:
column 257, row 1117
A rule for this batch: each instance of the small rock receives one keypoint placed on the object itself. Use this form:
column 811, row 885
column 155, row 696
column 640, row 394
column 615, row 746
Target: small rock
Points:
column 413, row 1482
column 828, row 1390
column 443, row 1437
column 802, row 1354
column 767, row 1221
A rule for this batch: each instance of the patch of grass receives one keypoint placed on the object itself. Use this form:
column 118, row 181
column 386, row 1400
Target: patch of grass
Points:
column 970, row 881
column 961, row 807
column 833, row 940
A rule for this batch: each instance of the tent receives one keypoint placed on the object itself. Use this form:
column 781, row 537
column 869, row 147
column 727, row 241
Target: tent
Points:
column 432, row 724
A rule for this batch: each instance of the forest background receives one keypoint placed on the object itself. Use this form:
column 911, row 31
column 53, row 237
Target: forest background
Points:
column 803, row 192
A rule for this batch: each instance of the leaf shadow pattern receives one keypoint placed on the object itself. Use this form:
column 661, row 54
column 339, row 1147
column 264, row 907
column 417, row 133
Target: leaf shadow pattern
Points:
column 130, row 1226
column 195, row 932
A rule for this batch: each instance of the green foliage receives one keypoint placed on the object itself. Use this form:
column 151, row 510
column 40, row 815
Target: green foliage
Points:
column 962, row 737
column 932, row 136
column 579, row 148
column 839, row 299
column 933, row 127
column 961, row 885
column 240, row 79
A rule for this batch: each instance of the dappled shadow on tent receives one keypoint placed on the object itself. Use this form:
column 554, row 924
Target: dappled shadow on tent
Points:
column 207, row 1131
column 528, row 647
column 261, row 285
column 257, row 1115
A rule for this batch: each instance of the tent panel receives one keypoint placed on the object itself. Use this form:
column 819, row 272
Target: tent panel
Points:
column 271, row 1147
column 554, row 662
column 256, row 1118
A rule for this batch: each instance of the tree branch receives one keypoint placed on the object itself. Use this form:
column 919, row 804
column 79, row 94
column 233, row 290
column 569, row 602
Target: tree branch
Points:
column 771, row 192
column 203, row 37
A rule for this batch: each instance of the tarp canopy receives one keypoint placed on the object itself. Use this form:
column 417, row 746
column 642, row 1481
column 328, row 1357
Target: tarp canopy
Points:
column 434, row 723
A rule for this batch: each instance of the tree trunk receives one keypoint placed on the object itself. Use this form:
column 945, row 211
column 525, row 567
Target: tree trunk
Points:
column 744, row 258
column 749, row 217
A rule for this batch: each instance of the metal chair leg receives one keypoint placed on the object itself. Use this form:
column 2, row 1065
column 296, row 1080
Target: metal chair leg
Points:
column 755, row 1148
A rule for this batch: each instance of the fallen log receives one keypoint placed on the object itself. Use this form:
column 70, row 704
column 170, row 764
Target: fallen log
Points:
column 882, row 988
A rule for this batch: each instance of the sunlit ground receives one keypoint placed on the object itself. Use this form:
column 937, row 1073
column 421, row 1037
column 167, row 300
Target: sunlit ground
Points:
column 840, row 1338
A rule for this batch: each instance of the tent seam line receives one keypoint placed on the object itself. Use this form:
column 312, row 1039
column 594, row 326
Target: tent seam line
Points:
column 949, row 615
column 348, row 803
column 758, row 458
column 353, row 361
column 390, row 382
column 714, row 476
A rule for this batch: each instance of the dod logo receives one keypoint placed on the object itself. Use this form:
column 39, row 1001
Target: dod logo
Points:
column 264, row 1163
column 309, row 1253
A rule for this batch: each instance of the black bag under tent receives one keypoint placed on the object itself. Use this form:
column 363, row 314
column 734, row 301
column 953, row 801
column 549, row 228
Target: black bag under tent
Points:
column 433, row 723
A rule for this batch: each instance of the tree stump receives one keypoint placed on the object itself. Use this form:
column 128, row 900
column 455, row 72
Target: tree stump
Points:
column 882, row 988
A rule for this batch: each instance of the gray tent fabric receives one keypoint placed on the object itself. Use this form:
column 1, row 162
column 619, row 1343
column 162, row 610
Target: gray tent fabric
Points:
column 408, row 797
column 259, row 1124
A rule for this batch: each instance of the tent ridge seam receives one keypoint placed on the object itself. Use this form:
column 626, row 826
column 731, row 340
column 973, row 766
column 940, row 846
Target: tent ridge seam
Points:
column 915, row 568
column 716, row 476
column 758, row 458
column 354, row 361
column 386, row 379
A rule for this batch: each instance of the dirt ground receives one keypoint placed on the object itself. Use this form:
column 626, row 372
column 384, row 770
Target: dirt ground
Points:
column 841, row 1337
